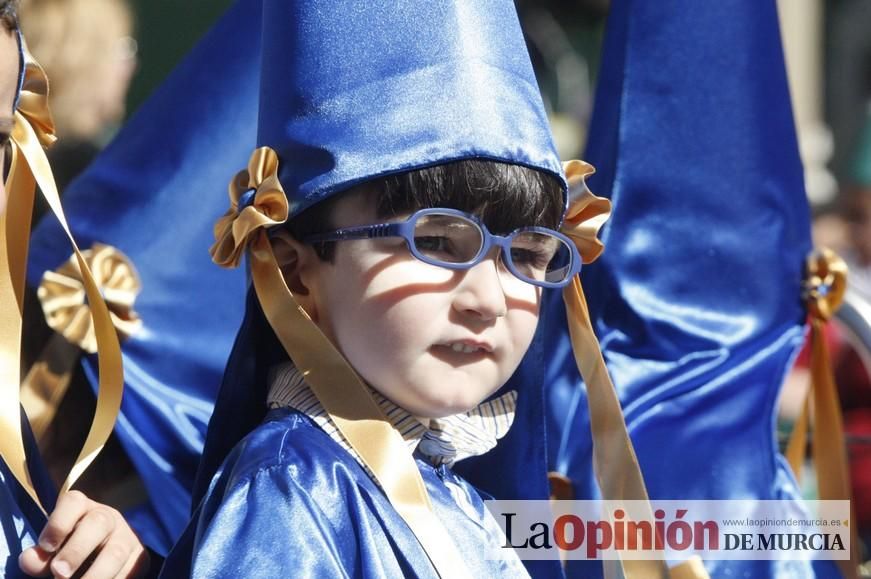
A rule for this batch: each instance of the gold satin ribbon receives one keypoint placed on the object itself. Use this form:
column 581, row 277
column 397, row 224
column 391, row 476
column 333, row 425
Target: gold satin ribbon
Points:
column 825, row 285
column 692, row 568
column 64, row 303
column 614, row 459
column 29, row 167
column 337, row 386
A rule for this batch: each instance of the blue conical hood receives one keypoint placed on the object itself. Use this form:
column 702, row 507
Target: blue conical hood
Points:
column 352, row 90
column 698, row 299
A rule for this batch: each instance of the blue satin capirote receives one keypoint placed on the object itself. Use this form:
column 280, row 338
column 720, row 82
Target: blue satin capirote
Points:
column 155, row 194
column 352, row 90
column 21, row 520
column 290, row 501
column 697, row 300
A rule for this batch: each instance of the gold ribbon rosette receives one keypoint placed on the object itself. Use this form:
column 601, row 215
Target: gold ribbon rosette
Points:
column 33, row 129
column 64, row 302
column 63, row 296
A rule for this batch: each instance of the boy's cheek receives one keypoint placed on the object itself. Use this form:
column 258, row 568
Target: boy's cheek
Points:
column 403, row 269
column 524, row 298
column 522, row 326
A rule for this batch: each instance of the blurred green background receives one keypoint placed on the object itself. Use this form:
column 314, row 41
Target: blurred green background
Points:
column 165, row 31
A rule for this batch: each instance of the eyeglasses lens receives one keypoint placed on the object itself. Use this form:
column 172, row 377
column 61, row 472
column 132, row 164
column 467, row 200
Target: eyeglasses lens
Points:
column 450, row 239
column 539, row 256
column 447, row 238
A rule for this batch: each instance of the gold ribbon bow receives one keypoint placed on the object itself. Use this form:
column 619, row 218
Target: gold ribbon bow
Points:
column 586, row 213
column 64, row 302
column 29, row 166
column 825, row 284
column 33, row 103
column 269, row 207
column 824, row 288
column 614, row 459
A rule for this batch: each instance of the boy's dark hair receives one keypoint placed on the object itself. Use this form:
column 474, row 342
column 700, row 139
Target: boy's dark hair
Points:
column 9, row 14
column 504, row 196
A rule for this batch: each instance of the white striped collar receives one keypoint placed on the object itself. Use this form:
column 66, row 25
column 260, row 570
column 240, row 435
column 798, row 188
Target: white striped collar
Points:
column 446, row 440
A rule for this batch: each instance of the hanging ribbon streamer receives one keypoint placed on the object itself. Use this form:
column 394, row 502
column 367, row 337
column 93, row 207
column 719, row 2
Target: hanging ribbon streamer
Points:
column 64, row 303
column 337, row 386
column 614, row 459
column 825, row 285
column 29, row 167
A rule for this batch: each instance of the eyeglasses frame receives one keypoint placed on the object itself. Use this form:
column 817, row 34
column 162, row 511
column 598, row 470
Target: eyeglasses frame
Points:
column 405, row 230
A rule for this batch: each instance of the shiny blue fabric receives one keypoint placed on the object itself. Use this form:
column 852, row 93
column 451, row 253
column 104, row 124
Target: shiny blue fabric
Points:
column 289, row 501
column 17, row 514
column 353, row 90
column 21, row 520
column 155, row 194
column 696, row 300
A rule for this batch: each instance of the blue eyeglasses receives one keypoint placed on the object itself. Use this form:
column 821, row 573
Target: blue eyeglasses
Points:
column 456, row 240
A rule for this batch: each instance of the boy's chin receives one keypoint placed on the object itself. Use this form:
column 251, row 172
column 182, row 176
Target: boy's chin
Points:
column 457, row 391
column 442, row 408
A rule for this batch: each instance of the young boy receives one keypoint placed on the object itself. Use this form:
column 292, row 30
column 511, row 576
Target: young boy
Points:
column 409, row 148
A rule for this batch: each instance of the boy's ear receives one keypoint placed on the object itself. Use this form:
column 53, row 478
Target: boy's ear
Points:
column 297, row 262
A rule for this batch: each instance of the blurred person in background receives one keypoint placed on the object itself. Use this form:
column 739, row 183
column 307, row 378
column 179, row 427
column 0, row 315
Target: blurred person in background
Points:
column 856, row 211
column 564, row 41
column 846, row 228
column 88, row 52
column 848, row 77
column 852, row 363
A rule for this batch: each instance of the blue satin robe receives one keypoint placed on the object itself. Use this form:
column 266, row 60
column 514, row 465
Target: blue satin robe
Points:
column 18, row 519
column 21, row 520
column 289, row 501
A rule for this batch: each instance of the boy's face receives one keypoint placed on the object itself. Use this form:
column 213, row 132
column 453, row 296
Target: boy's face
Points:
column 432, row 340
column 8, row 89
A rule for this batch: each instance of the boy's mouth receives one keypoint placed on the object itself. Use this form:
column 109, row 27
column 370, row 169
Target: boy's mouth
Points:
column 468, row 347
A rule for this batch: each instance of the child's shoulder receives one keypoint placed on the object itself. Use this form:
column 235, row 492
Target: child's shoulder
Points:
column 288, row 446
column 291, row 498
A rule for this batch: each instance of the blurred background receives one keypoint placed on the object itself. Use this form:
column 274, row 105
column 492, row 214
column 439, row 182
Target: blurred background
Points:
column 104, row 57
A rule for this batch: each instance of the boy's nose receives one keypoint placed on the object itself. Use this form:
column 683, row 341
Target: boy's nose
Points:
column 480, row 293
